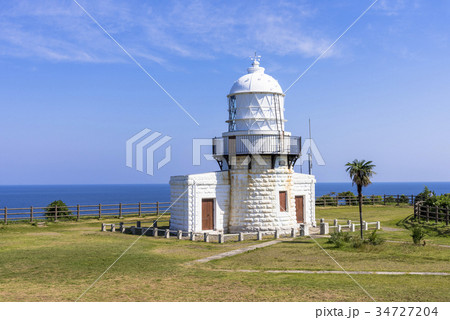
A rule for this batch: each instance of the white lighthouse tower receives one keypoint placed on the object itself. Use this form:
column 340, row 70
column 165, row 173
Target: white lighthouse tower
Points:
column 257, row 188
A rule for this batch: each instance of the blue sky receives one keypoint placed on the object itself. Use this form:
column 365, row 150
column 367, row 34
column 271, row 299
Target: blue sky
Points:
column 70, row 97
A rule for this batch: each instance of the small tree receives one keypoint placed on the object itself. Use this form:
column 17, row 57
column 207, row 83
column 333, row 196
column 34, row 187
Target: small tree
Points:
column 360, row 172
column 57, row 206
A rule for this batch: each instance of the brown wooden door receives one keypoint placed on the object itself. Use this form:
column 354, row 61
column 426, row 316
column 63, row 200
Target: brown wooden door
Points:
column 207, row 214
column 299, row 209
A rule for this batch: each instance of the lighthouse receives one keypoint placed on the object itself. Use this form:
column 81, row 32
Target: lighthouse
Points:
column 256, row 188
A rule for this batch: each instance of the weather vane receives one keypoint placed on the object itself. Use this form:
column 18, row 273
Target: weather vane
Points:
column 256, row 58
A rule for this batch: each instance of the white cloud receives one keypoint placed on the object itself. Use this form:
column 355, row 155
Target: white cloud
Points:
column 60, row 31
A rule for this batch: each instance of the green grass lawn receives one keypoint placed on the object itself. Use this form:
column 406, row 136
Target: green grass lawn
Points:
column 59, row 261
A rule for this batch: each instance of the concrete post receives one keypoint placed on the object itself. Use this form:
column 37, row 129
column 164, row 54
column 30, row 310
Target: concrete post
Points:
column 349, row 222
column 352, row 227
column 324, row 228
column 221, row 238
column 206, row 237
column 339, row 228
column 122, row 228
column 113, row 227
column 191, row 236
column 179, row 234
column 241, row 236
column 155, row 231
column 304, row 230
column 277, row 234
column 103, row 227
column 167, row 234
column 336, row 222
column 259, row 237
column 365, row 225
column 378, row 225
column 293, row 233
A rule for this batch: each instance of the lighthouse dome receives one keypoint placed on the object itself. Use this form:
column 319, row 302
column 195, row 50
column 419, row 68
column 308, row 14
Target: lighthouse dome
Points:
column 255, row 81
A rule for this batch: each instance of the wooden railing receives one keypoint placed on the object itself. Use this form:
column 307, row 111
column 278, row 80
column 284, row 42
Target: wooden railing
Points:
column 431, row 213
column 77, row 212
column 336, row 200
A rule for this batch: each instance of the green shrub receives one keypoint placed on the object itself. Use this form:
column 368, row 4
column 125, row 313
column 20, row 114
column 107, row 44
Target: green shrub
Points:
column 349, row 198
column 375, row 239
column 356, row 242
column 403, row 199
column 336, row 238
column 417, row 234
column 60, row 206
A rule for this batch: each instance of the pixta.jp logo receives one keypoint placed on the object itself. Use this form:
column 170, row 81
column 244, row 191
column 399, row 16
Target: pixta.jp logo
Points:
column 141, row 149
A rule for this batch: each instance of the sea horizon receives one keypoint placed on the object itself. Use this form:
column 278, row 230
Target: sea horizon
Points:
column 22, row 196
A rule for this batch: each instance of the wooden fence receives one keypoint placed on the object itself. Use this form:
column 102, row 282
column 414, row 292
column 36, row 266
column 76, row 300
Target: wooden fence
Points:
column 430, row 213
column 386, row 199
column 77, row 212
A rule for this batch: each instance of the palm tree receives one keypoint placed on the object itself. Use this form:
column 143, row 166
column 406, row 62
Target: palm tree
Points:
column 360, row 172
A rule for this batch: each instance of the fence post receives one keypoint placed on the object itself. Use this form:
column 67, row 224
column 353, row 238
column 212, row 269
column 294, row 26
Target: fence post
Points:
column 140, row 207
column 324, row 228
column 337, row 201
column 259, row 236
column 180, row 235
column 78, row 212
column 5, row 215
column 412, row 199
column 415, row 212
column 384, row 199
column 324, row 201
column 167, row 234
column 446, row 216
column 120, row 210
column 398, row 199
column 99, row 211
column 241, row 236
column 378, row 225
column 31, row 214
column 157, row 208
column 437, row 214
column 428, row 213
column 113, row 227
column 122, row 227
column 373, row 200
column 56, row 212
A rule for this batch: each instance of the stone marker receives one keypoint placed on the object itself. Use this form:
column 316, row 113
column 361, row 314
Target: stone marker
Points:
column 324, row 228
column 304, row 230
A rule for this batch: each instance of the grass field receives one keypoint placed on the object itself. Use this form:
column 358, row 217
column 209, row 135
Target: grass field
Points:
column 59, row 261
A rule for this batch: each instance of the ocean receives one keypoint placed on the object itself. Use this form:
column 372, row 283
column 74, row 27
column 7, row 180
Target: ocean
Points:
column 42, row 195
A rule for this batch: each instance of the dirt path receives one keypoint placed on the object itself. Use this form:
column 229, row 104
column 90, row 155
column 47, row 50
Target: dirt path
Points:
column 394, row 273
column 239, row 251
